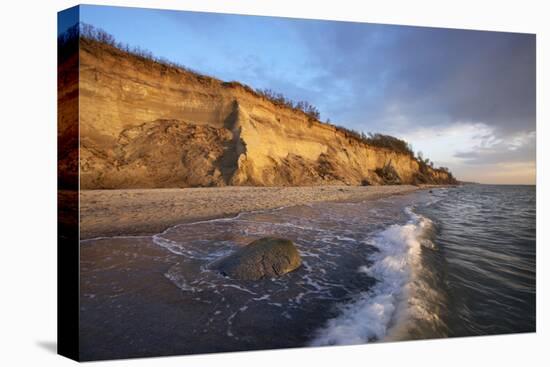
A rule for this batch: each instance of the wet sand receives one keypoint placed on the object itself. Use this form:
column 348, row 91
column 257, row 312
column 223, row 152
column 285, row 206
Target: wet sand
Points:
column 149, row 211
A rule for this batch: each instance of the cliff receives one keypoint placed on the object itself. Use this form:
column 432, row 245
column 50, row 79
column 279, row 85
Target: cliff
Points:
column 147, row 125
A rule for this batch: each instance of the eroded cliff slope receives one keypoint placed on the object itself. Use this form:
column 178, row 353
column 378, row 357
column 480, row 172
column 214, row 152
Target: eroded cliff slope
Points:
column 147, row 125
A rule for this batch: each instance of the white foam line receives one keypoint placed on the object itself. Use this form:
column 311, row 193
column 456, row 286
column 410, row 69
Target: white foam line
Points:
column 262, row 298
column 224, row 219
column 111, row 237
column 282, row 225
column 239, row 288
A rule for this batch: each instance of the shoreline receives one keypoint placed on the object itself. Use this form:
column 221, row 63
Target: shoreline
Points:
column 143, row 212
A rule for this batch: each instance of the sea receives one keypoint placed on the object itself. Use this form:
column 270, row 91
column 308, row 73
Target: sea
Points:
column 446, row 262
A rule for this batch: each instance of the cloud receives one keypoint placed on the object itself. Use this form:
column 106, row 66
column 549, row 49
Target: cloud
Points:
column 518, row 147
column 437, row 76
column 478, row 152
column 443, row 143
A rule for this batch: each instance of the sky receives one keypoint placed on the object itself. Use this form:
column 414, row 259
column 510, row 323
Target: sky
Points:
column 465, row 99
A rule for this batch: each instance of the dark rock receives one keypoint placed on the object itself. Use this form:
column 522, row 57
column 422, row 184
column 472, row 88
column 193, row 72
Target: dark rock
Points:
column 264, row 258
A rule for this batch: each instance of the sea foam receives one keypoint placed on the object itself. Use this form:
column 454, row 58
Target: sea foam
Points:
column 384, row 310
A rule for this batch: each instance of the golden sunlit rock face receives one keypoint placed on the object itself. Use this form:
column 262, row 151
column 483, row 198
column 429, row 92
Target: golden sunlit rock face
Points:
column 146, row 125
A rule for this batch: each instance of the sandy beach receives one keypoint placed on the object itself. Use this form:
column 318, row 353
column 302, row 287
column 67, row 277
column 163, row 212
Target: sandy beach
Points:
column 149, row 211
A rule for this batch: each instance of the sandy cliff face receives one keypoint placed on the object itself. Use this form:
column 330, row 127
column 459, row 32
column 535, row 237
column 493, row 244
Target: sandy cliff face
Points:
column 146, row 125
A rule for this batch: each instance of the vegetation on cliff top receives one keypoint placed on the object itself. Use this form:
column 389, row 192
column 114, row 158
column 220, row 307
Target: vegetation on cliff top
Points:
column 68, row 44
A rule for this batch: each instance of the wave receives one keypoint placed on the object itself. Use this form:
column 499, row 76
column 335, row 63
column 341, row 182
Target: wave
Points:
column 387, row 310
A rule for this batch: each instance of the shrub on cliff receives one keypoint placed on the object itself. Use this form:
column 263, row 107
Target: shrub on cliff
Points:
column 390, row 142
column 388, row 174
column 280, row 99
column 67, row 44
column 379, row 140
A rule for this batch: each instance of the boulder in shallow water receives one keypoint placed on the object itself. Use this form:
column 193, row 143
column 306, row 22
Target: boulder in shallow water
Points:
column 264, row 258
